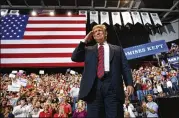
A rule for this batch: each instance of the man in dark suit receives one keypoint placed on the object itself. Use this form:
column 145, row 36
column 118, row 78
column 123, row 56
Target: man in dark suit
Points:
column 105, row 69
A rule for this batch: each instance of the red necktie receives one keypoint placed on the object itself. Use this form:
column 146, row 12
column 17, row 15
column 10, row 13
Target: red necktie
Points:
column 100, row 71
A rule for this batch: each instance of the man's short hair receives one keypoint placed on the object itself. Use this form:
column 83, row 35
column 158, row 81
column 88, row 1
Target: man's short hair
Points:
column 24, row 99
column 149, row 95
column 99, row 26
column 103, row 27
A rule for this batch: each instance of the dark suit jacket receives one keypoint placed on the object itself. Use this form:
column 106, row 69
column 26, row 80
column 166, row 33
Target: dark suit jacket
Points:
column 118, row 68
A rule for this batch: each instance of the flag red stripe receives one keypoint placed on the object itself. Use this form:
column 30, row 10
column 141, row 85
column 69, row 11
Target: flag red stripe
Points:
column 35, row 55
column 38, row 45
column 43, row 65
column 55, row 37
column 55, row 29
column 56, row 22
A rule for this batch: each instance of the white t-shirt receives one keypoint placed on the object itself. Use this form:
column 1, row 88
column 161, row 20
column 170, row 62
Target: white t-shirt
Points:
column 129, row 109
column 74, row 92
column 169, row 84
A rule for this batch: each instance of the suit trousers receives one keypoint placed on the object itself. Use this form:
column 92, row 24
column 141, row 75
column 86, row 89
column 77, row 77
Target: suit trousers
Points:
column 103, row 102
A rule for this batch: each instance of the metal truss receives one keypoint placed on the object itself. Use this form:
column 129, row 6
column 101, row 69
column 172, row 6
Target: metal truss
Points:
column 133, row 5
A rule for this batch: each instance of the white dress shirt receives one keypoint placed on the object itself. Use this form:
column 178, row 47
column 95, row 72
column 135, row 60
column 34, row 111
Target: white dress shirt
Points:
column 22, row 112
column 106, row 56
column 154, row 106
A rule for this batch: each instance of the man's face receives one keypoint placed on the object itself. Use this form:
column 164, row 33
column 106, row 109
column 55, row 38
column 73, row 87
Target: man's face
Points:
column 4, row 103
column 22, row 102
column 149, row 98
column 38, row 104
column 99, row 35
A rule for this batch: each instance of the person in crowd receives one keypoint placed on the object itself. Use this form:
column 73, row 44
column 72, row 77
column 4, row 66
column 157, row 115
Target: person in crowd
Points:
column 80, row 111
column 21, row 110
column 159, row 88
column 46, row 113
column 150, row 108
column 74, row 92
column 128, row 107
column 36, row 110
column 138, row 88
column 105, row 64
column 144, row 88
column 155, row 90
column 149, row 87
column 169, row 86
column 60, row 113
column 174, row 81
column 165, row 89
column 8, row 112
column 66, row 106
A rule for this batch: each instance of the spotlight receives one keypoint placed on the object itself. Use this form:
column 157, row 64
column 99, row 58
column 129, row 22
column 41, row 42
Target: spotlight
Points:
column 69, row 13
column 52, row 13
column 33, row 13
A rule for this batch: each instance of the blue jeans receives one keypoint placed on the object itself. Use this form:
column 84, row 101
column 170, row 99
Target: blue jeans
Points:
column 140, row 95
column 74, row 102
column 150, row 92
column 175, row 86
column 145, row 92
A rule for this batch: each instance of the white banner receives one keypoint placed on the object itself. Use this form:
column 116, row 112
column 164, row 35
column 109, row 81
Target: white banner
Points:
column 14, row 71
column 72, row 72
column 41, row 72
column 104, row 17
column 22, row 82
column 12, row 75
column 126, row 17
column 83, row 12
column 16, row 83
column 145, row 18
column 21, row 71
column 156, row 19
column 13, row 88
column 94, row 17
column 136, row 17
column 116, row 18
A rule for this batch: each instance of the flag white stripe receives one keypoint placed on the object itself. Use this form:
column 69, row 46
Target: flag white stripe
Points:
column 41, row 41
column 37, row 33
column 37, row 50
column 36, row 60
column 57, row 18
column 56, row 26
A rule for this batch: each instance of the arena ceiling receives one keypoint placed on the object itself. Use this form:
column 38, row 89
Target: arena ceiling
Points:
column 168, row 10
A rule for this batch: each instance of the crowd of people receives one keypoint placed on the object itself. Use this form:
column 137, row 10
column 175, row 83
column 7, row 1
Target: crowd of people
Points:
column 56, row 95
column 41, row 96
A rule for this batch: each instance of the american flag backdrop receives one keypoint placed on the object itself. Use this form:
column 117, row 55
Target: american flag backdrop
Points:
column 42, row 41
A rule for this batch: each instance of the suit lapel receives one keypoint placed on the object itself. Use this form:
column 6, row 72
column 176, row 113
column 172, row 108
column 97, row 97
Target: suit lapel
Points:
column 111, row 52
column 95, row 49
